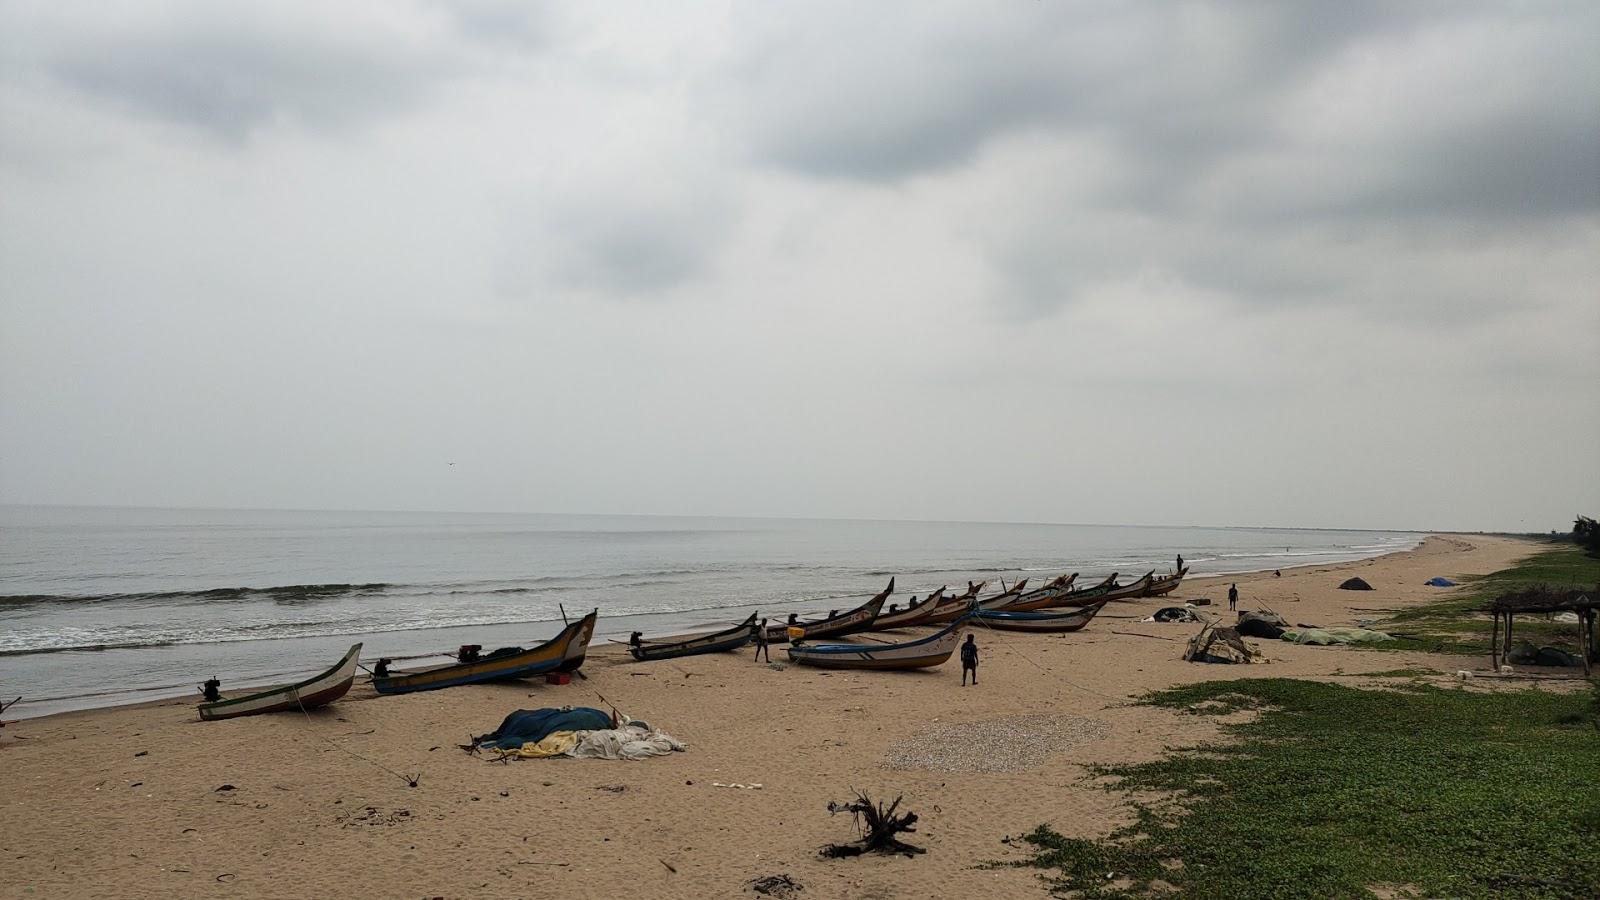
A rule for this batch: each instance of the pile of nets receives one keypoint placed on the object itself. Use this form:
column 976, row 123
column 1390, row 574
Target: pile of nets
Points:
column 1325, row 636
column 581, row 732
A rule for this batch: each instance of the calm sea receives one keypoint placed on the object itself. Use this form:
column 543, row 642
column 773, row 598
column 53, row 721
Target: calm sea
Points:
column 105, row 606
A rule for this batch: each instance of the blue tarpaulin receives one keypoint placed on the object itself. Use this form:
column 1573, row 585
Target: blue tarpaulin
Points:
column 1441, row 582
column 529, row 726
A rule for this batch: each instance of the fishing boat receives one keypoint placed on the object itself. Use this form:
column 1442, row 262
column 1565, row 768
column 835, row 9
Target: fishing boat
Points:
column 733, row 638
column 318, row 690
column 1131, row 590
column 915, row 614
column 1054, row 590
column 858, row 619
column 918, row 654
column 562, row 653
column 1086, row 596
column 1043, row 621
column 1007, row 596
column 1160, row 587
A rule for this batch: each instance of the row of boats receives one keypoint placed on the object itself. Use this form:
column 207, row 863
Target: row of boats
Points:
column 1058, row 606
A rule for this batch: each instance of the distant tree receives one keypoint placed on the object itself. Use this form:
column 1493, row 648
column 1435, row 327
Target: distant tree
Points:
column 1586, row 531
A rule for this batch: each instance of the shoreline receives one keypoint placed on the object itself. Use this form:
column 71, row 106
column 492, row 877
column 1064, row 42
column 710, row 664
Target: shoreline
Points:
column 62, row 705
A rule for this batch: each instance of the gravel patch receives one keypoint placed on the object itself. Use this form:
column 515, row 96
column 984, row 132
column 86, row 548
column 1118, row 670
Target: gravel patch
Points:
column 1014, row 744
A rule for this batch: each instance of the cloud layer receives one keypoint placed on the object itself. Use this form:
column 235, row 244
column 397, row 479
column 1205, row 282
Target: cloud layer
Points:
column 1304, row 264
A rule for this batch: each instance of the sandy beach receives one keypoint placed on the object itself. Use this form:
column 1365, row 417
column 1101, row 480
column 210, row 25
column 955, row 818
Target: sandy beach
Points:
column 129, row 801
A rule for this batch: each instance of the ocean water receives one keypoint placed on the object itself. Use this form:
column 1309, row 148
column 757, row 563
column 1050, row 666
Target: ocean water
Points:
column 114, row 605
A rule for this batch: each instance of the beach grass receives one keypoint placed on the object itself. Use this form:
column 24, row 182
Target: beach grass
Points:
column 1457, row 624
column 1333, row 791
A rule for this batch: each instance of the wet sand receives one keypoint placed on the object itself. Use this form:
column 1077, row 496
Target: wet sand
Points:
column 126, row 801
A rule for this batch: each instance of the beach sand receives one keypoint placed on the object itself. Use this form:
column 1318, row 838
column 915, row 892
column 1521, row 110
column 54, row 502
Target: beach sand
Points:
column 126, row 802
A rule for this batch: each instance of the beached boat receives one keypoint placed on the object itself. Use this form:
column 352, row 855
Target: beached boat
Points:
column 858, row 619
column 562, row 653
column 915, row 614
column 918, row 654
column 1160, row 587
column 1044, row 621
column 1087, row 595
column 1005, row 597
column 733, row 638
column 1054, row 590
column 1131, row 590
column 318, row 690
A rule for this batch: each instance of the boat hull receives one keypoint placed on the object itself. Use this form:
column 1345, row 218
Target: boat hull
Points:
column 858, row 619
column 1164, row 586
column 919, row 654
column 1131, row 591
column 721, row 642
column 1042, row 622
column 319, row 690
column 562, row 653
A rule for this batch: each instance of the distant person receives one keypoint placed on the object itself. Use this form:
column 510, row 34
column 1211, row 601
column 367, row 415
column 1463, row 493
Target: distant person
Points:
column 1276, row 573
column 761, row 643
column 210, row 690
column 636, row 639
column 969, row 660
column 1233, row 596
column 1180, row 563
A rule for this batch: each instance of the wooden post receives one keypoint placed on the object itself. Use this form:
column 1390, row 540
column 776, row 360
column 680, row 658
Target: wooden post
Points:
column 1494, row 644
column 1506, row 652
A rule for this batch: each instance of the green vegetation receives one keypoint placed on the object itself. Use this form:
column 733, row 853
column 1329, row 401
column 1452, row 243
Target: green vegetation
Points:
column 1455, row 625
column 1332, row 791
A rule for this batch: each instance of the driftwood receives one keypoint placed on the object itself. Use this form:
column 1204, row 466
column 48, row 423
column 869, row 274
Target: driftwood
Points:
column 878, row 825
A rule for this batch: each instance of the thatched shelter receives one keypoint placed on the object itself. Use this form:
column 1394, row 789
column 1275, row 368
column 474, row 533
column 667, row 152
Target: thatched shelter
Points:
column 1546, row 599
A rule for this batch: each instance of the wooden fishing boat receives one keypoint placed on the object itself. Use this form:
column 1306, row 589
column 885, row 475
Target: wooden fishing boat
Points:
column 733, row 638
column 1086, row 596
column 1007, row 596
column 1131, row 590
column 916, row 614
column 318, row 690
column 562, row 653
column 1043, row 621
column 1160, row 587
column 918, row 654
column 858, row 619
column 1054, row 590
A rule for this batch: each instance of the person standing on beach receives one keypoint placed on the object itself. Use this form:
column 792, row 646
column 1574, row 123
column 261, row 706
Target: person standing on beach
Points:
column 1180, row 563
column 761, row 642
column 969, row 660
column 1233, row 596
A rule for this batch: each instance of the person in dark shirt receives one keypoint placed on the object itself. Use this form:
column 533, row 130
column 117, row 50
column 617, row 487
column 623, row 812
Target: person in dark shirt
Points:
column 1180, row 563
column 969, row 660
column 1233, row 596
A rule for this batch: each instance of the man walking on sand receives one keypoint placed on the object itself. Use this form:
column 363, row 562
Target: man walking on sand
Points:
column 1233, row 596
column 969, row 660
column 761, row 642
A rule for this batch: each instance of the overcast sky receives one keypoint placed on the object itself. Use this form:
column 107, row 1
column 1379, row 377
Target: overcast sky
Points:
column 1319, row 264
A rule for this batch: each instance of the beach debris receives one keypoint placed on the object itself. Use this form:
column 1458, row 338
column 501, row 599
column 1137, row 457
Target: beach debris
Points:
column 1217, row 644
column 993, row 746
column 612, row 788
column 1355, row 584
column 1439, row 582
column 780, row 886
column 371, row 815
column 748, row 787
column 878, row 825
column 667, row 864
column 226, row 787
column 141, row 753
